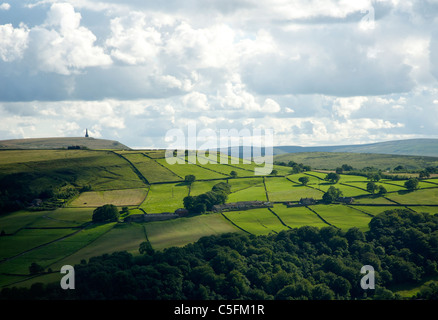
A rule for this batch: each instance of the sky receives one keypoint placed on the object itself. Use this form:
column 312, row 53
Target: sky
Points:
column 317, row 72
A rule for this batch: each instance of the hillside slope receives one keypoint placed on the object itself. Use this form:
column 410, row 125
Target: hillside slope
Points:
column 418, row 147
column 332, row 160
column 60, row 143
column 412, row 147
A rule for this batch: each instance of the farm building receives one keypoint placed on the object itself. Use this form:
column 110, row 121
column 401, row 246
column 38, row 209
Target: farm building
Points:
column 150, row 217
column 243, row 205
column 181, row 212
column 307, row 201
column 347, row 200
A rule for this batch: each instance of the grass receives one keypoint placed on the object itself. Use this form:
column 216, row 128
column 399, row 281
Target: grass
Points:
column 191, row 169
column 281, row 189
column 431, row 210
column 47, row 255
column 424, row 196
column 102, row 170
column 150, row 169
column 27, row 239
column 332, row 160
column 343, row 216
column 372, row 200
column 124, row 197
column 296, row 217
column 375, row 210
column 179, row 232
column 165, row 197
column 12, row 222
column 123, row 237
column 256, row 221
column 113, row 180
column 199, row 187
column 253, row 193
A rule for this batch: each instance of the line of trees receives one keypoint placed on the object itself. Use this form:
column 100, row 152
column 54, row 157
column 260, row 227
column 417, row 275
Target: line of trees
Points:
column 205, row 201
column 301, row 263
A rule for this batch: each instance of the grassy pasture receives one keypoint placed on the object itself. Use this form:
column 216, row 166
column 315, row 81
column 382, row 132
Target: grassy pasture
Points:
column 120, row 238
column 372, row 200
column 431, row 210
column 199, row 187
column 281, row 189
column 27, row 239
column 313, row 181
column 150, row 169
column 253, row 193
column 102, row 170
column 114, row 181
column 239, row 184
column 342, row 216
column 185, row 169
column 14, row 221
column 332, row 160
column 423, row 196
column 256, row 221
column 124, row 197
column 179, row 232
column 49, row 254
column 375, row 210
column 20, row 156
column 297, row 217
column 155, row 154
column 165, row 197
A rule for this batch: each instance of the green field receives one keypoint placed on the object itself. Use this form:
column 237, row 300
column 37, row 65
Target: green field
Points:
column 342, row 216
column 256, row 221
column 332, row 160
column 296, row 217
column 281, row 189
column 151, row 169
column 125, row 197
column 165, row 197
column 65, row 235
column 425, row 196
column 41, row 169
column 179, row 232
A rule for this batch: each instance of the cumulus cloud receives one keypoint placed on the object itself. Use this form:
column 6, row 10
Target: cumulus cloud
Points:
column 62, row 45
column 13, row 42
column 132, row 40
column 313, row 70
column 5, row 6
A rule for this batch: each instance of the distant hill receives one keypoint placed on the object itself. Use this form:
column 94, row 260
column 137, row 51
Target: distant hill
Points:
column 332, row 160
column 413, row 147
column 61, row 143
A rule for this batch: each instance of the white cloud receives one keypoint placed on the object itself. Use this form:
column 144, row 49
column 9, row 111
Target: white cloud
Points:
column 13, row 42
column 195, row 101
column 5, row 6
column 133, row 41
column 271, row 106
column 344, row 107
column 133, row 69
column 62, row 46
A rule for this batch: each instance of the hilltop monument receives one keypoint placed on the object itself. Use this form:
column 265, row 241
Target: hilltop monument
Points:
column 86, row 133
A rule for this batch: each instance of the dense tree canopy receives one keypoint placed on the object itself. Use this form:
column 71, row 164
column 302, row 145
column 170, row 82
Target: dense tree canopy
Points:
column 107, row 212
column 205, row 201
column 302, row 263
